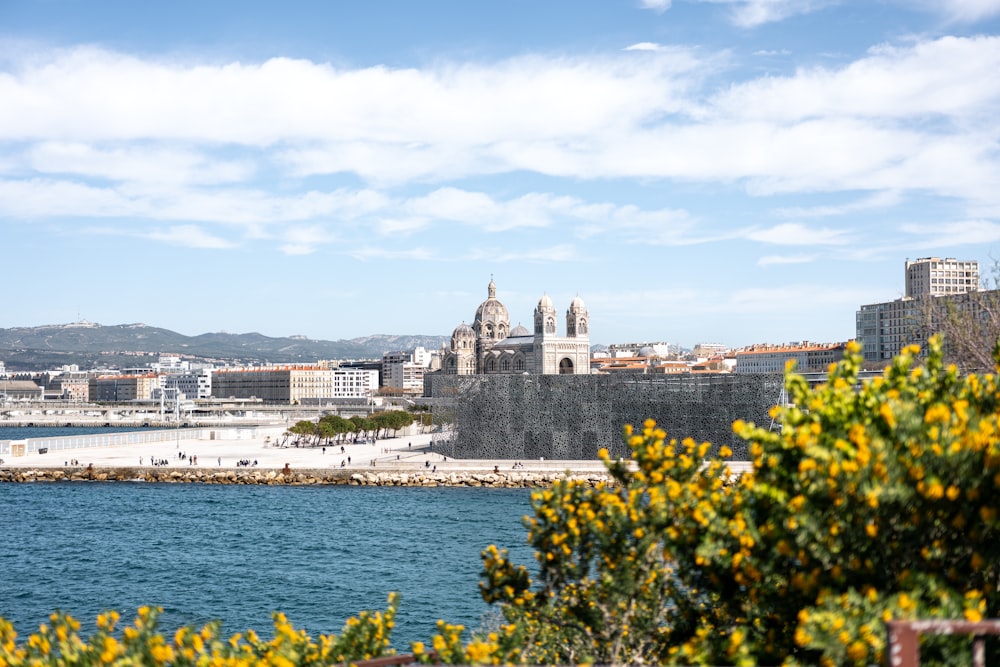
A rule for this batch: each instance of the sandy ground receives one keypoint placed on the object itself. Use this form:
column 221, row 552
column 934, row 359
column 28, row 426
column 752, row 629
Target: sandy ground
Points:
column 401, row 453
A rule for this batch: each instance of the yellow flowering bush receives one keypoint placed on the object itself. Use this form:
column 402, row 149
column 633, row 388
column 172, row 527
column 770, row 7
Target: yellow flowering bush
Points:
column 875, row 500
column 364, row 637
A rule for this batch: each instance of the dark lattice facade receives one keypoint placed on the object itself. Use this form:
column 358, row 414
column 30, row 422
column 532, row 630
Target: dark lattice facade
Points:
column 572, row 417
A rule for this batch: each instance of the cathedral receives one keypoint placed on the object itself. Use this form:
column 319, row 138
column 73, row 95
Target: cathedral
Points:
column 490, row 346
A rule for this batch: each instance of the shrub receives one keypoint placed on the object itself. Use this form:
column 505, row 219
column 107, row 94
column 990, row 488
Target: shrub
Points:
column 364, row 637
column 874, row 501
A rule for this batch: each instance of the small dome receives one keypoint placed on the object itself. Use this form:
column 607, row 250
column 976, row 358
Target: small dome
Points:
column 577, row 306
column 647, row 351
column 520, row 330
column 545, row 303
column 463, row 329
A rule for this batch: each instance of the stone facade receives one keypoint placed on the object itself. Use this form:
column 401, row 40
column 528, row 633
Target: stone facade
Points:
column 491, row 347
column 560, row 417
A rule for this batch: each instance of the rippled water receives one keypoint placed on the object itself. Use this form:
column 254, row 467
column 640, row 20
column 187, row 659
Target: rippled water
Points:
column 202, row 552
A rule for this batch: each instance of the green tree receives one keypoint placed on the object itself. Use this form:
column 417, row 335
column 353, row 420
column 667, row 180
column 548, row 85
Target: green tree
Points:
column 305, row 429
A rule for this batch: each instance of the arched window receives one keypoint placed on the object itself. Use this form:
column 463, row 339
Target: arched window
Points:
column 519, row 364
column 491, row 365
column 582, row 326
column 550, row 325
column 505, row 365
column 565, row 366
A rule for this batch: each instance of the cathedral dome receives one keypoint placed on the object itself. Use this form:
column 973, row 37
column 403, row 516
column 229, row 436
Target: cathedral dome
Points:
column 577, row 306
column 492, row 310
column 463, row 330
column 520, row 330
column 545, row 303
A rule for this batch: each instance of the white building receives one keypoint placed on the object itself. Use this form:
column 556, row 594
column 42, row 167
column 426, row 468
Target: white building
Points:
column 809, row 357
column 294, row 384
column 405, row 370
column 707, row 350
column 933, row 276
column 624, row 350
column 192, row 383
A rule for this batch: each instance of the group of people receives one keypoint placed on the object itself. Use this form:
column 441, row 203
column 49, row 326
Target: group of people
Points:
column 245, row 463
column 192, row 460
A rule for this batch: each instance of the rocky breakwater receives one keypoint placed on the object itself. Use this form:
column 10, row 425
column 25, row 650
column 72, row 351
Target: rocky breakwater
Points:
column 464, row 478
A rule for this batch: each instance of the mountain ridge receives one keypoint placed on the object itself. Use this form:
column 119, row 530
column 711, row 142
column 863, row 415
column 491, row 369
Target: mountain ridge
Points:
column 90, row 345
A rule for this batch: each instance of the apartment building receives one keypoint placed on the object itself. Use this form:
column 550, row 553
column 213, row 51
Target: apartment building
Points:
column 294, row 384
column 884, row 329
column 116, row 388
column 809, row 357
column 933, row 276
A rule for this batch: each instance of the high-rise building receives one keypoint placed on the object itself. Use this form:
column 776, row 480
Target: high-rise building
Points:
column 933, row 276
column 884, row 329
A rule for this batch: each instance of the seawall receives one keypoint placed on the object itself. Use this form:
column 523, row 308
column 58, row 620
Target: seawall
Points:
column 306, row 477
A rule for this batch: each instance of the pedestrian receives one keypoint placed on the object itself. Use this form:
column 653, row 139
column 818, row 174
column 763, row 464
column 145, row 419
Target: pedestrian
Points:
column 324, row 450
column 220, row 461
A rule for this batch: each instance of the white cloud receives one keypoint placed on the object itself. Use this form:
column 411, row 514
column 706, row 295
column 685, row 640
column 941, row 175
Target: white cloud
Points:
column 658, row 6
column 797, row 234
column 773, row 260
column 644, row 46
column 374, row 252
column 753, row 13
column 189, row 236
column 875, row 200
column 89, row 133
column 554, row 253
column 132, row 162
column 965, row 11
column 304, row 240
column 948, row 234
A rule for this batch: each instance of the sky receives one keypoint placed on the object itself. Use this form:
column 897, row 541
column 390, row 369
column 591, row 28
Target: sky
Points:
column 724, row 171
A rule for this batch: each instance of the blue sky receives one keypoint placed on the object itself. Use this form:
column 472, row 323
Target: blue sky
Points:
column 734, row 171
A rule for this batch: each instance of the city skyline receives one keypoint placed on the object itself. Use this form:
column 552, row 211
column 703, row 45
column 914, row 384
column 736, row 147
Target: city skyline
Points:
column 731, row 171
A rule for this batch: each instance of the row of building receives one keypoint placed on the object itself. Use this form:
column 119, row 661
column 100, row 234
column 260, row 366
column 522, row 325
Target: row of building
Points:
column 490, row 345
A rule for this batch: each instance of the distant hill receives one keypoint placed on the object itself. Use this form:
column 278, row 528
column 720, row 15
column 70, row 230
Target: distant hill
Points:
column 92, row 345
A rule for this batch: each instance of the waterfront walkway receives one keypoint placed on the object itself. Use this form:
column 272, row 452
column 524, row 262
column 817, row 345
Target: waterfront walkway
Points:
column 259, row 448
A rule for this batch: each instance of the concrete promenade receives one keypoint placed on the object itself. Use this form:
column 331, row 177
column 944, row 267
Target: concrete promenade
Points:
column 215, row 450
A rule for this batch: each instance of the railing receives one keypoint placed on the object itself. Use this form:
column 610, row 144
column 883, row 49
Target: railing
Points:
column 904, row 638
column 388, row 661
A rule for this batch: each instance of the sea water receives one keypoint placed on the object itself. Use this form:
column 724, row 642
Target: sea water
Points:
column 238, row 553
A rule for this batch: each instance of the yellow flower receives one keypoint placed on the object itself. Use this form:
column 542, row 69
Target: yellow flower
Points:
column 972, row 615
